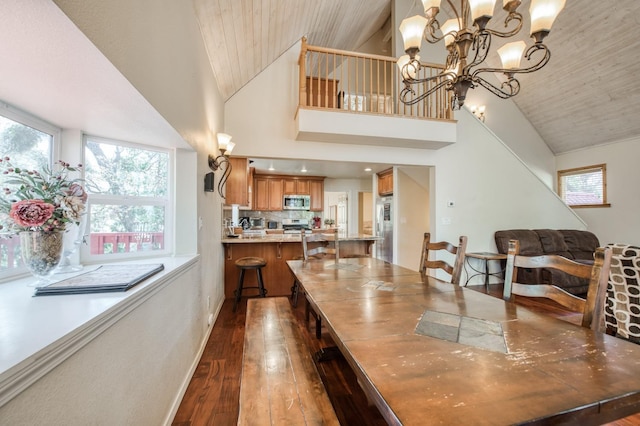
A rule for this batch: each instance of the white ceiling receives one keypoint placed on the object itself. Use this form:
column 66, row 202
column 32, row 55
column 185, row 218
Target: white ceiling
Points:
column 332, row 169
column 587, row 95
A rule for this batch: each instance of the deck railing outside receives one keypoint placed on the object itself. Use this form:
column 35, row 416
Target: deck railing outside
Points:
column 100, row 243
column 363, row 83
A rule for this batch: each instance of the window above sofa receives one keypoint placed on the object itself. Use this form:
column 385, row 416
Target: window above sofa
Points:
column 584, row 186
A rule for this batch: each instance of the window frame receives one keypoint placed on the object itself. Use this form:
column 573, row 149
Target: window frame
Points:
column 583, row 170
column 26, row 119
column 106, row 199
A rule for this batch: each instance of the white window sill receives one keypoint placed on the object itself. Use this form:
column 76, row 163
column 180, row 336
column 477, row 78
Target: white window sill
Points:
column 39, row 333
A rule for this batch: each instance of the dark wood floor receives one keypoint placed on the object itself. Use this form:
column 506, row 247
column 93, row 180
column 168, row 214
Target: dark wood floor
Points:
column 213, row 394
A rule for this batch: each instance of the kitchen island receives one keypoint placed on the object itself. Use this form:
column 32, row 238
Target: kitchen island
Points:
column 276, row 250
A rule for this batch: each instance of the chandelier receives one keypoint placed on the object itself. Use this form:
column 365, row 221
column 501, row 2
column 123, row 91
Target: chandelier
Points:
column 468, row 42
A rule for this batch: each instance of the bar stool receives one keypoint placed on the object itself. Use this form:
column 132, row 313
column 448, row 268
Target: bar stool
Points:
column 245, row 263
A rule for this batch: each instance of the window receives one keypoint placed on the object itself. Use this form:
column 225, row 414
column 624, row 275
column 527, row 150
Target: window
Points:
column 584, row 186
column 29, row 143
column 129, row 199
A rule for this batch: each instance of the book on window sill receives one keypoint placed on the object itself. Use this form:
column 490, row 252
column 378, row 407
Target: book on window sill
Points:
column 106, row 278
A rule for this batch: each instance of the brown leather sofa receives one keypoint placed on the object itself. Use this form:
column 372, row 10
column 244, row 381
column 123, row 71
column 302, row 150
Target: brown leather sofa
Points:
column 571, row 243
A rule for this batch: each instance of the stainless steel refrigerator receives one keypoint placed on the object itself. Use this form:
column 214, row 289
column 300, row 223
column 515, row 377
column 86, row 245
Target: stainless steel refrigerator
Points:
column 384, row 228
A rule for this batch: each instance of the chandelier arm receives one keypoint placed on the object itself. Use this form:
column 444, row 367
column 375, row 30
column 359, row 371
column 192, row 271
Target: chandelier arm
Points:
column 510, row 71
column 481, row 45
column 455, row 10
column 409, row 91
column 512, row 84
column 513, row 16
column 430, row 32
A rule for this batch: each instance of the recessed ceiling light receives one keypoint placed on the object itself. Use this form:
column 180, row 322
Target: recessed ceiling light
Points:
column 368, row 169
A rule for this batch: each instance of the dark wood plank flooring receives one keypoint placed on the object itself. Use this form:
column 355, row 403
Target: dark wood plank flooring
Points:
column 213, row 393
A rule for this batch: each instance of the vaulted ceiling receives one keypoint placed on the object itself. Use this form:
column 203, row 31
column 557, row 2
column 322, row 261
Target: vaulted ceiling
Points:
column 587, row 95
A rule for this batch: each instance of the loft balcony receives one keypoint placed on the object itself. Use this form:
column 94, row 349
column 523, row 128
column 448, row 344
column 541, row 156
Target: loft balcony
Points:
column 350, row 97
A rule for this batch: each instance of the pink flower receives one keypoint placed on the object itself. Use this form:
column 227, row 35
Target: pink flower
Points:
column 30, row 213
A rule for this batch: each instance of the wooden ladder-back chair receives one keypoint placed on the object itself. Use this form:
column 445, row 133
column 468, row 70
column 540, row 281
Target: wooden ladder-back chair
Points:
column 458, row 251
column 316, row 246
column 592, row 308
column 327, row 244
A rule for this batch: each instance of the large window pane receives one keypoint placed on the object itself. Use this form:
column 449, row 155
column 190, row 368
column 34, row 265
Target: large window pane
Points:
column 122, row 170
column 128, row 190
column 28, row 148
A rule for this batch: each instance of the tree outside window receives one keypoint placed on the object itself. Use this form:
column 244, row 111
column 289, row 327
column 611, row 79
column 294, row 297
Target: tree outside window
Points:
column 128, row 190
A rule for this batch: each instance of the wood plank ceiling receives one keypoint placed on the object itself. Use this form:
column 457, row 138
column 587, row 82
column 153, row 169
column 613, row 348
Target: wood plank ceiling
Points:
column 588, row 94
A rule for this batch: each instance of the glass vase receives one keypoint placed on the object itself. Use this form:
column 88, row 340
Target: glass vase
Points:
column 41, row 252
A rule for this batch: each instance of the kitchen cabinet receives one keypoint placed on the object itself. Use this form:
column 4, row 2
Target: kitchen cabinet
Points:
column 267, row 193
column 385, row 182
column 316, row 190
column 238, row 186
column 296, row 186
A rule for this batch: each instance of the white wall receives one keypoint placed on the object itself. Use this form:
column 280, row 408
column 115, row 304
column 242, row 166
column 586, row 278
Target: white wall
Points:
column 129, row 374
column 492, row 189
column 412, row 203
column 618, row 223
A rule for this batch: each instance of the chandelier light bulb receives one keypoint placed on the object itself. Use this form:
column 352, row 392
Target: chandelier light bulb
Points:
column 544, row 13
column 450, row 26
column 511, row 54
column 481, row 8
column 412, row 30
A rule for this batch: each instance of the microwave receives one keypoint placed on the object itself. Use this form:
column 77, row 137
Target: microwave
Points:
column 296, row 202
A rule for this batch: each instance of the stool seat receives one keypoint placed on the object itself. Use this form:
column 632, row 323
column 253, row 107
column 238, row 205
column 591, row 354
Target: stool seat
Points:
column 251, row 262
column 245, row 263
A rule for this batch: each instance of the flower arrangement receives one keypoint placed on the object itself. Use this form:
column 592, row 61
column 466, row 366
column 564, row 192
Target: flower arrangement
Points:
column 40, row 201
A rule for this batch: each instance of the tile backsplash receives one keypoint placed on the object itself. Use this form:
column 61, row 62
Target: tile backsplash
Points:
column 276, row 216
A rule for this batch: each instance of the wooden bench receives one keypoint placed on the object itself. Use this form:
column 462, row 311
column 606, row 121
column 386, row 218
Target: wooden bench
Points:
column 280, row 384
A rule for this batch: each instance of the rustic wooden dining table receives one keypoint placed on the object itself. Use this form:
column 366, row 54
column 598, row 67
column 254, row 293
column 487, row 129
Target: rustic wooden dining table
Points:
column 427, row 352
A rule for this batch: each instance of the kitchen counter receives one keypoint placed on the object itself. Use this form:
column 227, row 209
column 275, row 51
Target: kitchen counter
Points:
column 276, row 249
column 290, row 238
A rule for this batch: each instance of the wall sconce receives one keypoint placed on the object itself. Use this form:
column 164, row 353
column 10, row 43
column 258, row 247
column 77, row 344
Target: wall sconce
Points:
column 478, row 111
column 221, row 162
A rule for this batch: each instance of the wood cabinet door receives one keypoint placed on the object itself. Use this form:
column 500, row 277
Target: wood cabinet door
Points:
column 296, row 186
column 275, row 194
column 385, row 182
column 302, row 187
column 237, row 186
column 316, row 190
column 261, row 194
column 289, row 186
